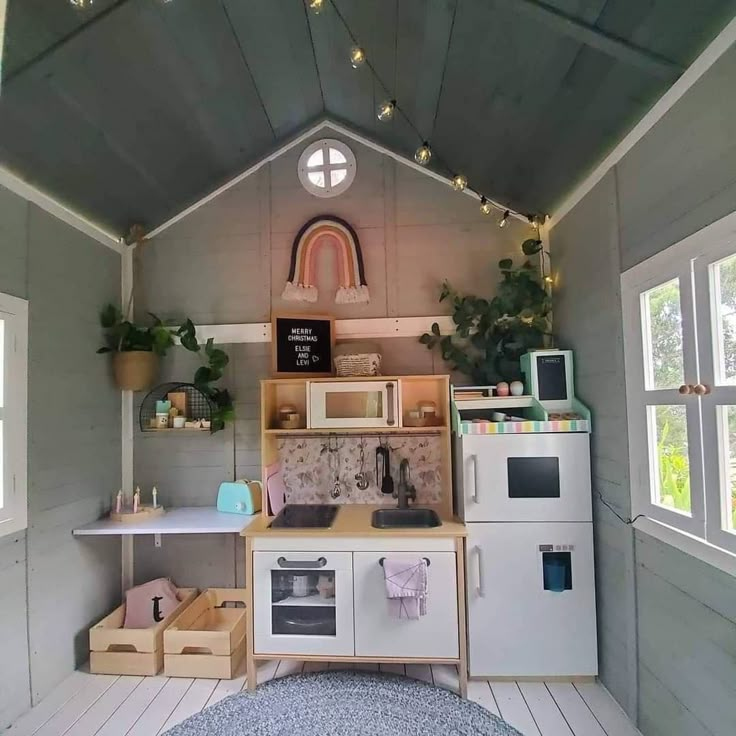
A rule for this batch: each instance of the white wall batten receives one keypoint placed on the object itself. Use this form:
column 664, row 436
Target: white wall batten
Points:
column 30, row 193
column 712, row 52
column 345, row 329
column 325, row 124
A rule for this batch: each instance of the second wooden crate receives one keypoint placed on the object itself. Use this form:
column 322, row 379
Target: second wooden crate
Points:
column 208, row 638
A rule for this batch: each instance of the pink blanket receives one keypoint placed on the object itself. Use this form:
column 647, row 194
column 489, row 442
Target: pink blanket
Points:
column 406, row 586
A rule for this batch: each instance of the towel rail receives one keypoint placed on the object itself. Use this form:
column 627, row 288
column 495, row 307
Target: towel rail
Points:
column 426, row 559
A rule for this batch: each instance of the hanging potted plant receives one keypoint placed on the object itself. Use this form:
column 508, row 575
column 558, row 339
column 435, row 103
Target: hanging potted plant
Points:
column 136, row 348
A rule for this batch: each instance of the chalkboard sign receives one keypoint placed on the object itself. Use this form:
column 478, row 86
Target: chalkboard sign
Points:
column 302, row 345
column 552, row 377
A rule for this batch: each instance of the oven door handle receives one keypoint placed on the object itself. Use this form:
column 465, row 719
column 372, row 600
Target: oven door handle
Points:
column 306, row 564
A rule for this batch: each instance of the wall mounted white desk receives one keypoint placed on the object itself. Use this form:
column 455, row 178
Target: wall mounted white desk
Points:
column 184, row 520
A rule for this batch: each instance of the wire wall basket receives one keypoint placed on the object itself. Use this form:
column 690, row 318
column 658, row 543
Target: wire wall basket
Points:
column 195, row 408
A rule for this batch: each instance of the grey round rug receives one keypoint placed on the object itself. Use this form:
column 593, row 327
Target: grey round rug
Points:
column 344, row 703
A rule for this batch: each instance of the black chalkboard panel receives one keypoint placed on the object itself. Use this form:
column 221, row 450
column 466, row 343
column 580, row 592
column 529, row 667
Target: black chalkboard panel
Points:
column 302, row 345
column 552, row 377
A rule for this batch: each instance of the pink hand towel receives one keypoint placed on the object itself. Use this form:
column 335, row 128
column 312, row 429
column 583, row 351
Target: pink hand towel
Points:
column 406, row 586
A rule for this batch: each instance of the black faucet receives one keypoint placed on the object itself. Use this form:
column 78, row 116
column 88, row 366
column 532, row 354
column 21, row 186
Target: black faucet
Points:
column 405, row 491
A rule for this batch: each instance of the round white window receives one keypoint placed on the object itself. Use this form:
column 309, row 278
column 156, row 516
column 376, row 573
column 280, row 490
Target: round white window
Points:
column 326, row 168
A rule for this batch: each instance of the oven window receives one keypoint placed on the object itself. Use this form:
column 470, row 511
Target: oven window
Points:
column 534, row 477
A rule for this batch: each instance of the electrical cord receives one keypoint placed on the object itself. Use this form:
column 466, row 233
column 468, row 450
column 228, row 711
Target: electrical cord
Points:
column 628, row 522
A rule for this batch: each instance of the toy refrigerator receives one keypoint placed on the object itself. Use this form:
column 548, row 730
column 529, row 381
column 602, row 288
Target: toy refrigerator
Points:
column 523, row 487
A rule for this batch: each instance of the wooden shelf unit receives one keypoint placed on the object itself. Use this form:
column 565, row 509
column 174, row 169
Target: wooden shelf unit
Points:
column 411, row 389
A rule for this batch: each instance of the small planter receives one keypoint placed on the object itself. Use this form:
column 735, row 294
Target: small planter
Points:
column 118, row 651
column 207, row 639
column 135, row 370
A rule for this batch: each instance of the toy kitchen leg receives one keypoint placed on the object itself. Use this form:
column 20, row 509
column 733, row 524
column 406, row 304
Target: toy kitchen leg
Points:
column 127, row 562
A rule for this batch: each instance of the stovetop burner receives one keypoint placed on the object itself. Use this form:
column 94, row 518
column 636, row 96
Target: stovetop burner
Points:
column 305, row 516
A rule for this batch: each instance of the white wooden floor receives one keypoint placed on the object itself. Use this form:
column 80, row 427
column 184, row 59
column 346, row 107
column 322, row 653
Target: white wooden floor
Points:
column 107, row 705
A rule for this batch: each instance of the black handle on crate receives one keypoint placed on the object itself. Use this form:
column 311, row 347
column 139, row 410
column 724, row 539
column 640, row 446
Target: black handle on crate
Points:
column 283, row 562
column 426, row 559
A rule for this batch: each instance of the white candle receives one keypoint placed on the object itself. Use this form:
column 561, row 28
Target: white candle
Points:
column 119, row 502
column 154, row 494
column 136, row 499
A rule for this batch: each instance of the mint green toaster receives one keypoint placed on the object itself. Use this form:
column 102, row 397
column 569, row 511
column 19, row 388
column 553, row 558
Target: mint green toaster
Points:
column 240, row 497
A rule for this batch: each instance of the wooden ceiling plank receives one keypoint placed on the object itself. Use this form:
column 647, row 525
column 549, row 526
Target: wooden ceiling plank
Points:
column 598, row 39
column 274, row 38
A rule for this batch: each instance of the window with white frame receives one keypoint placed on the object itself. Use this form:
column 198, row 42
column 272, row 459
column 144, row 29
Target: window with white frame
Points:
column 326, row 168
column 13, row 414
column 679, row 310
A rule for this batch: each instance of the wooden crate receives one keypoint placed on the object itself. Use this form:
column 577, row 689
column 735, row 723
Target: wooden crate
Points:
column 207, row 640
column 118, row 651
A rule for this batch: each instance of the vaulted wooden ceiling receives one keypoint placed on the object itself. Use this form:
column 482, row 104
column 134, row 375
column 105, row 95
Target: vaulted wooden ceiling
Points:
column 130, row 110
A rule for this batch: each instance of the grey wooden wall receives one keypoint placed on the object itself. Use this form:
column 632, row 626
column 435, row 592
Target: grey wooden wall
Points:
column 667, row 621
column 53, row 586
column 228, row 262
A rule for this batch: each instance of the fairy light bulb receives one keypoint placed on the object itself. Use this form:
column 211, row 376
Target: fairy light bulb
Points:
column 549, row 279
column 357, row 57
column 423, row 154
column 81, row 4
column 459, row 182
column 385, row 110
column 316, row 6
column 485, row 206
column 502, row 222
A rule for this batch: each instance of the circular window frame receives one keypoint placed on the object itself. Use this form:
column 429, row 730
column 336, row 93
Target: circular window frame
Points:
column 350, row 166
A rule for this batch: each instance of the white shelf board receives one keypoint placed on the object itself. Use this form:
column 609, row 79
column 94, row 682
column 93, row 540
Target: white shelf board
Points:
column 308, row 601
column 184, row 520
column 495, row 402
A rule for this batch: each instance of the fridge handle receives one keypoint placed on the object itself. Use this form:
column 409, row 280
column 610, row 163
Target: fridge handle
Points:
column 474, row 460
column 480, row 590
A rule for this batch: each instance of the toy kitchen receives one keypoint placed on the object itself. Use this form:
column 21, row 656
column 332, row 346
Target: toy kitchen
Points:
column 484, row 498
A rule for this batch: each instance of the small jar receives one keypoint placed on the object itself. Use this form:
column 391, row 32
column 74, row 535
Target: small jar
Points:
column 427, row 409
column 286, row 411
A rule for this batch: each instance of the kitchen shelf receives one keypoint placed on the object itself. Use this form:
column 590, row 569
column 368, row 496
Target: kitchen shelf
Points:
column 359, row 430
column 309, row 601
column 491, row 402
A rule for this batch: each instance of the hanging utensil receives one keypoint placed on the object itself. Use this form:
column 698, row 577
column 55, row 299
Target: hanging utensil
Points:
column 384, row 480
column 361, row 479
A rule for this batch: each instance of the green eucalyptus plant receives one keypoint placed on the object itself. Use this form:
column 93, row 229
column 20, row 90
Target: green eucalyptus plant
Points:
column 122, row 335
column 491, row 335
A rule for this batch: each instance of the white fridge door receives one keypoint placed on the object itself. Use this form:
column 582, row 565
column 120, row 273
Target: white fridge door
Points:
column 524, row 477
column 516, row 627
column 303, row 603
column 378, row 634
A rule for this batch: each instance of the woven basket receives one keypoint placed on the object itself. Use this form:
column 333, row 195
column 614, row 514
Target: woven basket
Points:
column 358, row 364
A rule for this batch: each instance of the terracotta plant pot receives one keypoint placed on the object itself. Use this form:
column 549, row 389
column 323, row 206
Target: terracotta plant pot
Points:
column 135, row 370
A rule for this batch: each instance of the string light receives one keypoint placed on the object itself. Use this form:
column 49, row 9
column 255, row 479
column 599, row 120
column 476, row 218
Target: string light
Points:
column 502, row 222
column 82, row 4
column 549, row 279
column 357, row 57
column 485, row 206
column 385, row 110
column 423, row 154
column 316, row 6
column 459, row 182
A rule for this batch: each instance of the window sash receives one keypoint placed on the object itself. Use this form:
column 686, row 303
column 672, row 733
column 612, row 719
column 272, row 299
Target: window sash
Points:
column 14, row 512
column 691, row 260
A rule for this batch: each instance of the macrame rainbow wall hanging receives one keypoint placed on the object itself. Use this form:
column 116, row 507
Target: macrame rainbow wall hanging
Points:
column 301, row 285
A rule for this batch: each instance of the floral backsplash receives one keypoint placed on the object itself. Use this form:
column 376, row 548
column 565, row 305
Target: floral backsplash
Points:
column 312, row 465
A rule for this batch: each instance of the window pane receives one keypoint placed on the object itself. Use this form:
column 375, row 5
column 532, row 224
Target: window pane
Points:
column 668, row 456
column 336, row 157
column 724, row 303
column 727, row 417
column 663, row 363
column 336, row 176
column 316, row 159
column 2, row 362
column 317, row 178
